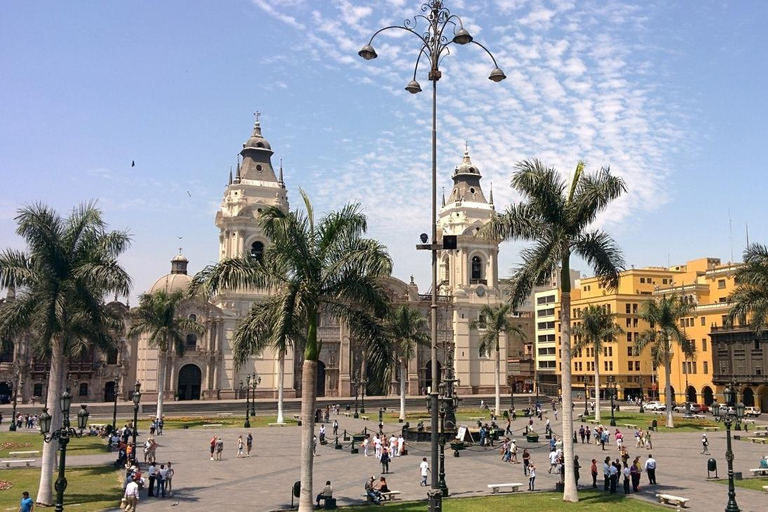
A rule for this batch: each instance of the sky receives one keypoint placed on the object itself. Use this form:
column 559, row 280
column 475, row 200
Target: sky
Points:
column 670, row 95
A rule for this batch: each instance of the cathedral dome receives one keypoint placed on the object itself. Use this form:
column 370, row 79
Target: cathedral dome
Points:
column 171, row 283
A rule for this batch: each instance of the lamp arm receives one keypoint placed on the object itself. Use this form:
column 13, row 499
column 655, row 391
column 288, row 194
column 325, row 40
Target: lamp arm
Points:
column 410, row 30
column 495, row 64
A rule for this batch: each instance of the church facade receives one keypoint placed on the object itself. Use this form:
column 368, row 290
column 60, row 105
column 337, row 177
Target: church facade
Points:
column 468, row 280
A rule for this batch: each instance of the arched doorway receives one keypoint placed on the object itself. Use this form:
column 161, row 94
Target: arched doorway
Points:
column 762, row 397
column 5, row 393
column 428, row 379
column 320, row 379
column 190, row 378
column 748, row 397
column 709, row 397
column 109, row 391
column 690, row 394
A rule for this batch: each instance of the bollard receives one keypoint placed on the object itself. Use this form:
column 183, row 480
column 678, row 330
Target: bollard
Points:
column 337, row 445
column 353, row 450
column 346, row 437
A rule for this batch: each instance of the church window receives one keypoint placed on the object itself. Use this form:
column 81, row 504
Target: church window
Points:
column 477, row 268
column 258, row 168
column 472, row 190
column 191, row 341
column 37, row 390
column 259, row 145
column 257, row 250
column 83, row 389
column 112, row 356
column 193, row 317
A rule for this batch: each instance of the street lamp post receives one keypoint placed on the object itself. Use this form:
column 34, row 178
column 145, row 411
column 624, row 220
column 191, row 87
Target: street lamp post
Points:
column 434, row 43
column 642, row 393
column 586, row 399
column 63, row 435
column 114, row 408
column 538, row 384
column 14, row 391
column 612, row 388
column 136, row 400
column 356, row 384
column 729, row 413
column 247, row 422
column 255, row 381
column 363, row 383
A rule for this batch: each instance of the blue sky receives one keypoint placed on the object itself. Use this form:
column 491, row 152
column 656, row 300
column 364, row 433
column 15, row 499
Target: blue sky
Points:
column 671, row 95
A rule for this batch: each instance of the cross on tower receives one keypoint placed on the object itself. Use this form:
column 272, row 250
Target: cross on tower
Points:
column 257, row 114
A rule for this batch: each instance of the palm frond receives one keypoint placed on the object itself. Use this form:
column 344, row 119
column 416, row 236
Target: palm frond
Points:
column 602, row 254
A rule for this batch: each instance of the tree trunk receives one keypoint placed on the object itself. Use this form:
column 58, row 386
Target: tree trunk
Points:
column 570, row 491
column 668, row 391
column 280, row 386
column 597, row 385
column 308, row 390
column 496, row 379
column 163, row 362
column 403, row 386
column 48, row 463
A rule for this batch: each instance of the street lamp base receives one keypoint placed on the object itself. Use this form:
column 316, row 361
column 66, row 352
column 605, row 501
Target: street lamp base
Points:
column 435, row 500
column 12, row 428
column 355, row 415
column 247, row 424
column 362, row 410
column 613, row 422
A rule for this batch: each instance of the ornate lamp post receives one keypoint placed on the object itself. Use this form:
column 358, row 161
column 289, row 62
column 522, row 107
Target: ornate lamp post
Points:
column 612, row 388
column 363, row 383
column 729, row 413
column 642, row 393
column 14, row 391
column 63, row 434
column 356, row 384
column 255, row 381
column 434, row 42
column 586, row 399
column 114, row 408
column 247, row 422
column 136, row 400
column 538, row 384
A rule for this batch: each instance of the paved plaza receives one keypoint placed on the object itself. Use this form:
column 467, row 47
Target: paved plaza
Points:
column 263, row 482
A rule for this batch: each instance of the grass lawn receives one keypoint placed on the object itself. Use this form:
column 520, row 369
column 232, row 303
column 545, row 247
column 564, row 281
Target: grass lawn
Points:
column 175, row 422
column 756, row 484
column 644, row 420
column 549, row 501
column 27, row 440
column 88, row 488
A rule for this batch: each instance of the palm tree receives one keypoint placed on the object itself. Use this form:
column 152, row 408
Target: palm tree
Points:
column 663, row 315
column 495, row 321
column 157, row 317
column 61, row 279
column 597, row 327
column 311, row 267
column 750, row 298
column 407, row 327
column 558, row 218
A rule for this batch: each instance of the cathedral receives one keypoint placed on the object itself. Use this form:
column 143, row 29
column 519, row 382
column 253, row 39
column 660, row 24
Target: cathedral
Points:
column 468, row 281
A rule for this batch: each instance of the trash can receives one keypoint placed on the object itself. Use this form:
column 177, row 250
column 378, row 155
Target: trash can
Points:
column 712, row 465
column 655, row 425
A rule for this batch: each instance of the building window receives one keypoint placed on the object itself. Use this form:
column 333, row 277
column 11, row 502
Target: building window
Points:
column 605, row 365
column 703, row 344
column 630, row 366
column 83, row 389
column 642, row 280
column 694, row 367
column 37, row 390
column 721, row 283
column 703, row 321
column 637, row 366
column 610, row 351
column 191, row 342
column 112, row 356
column 610, row 366
column 477, row 268
column 257, row 250
column 193, row 317
column 6, row 355
column 705, row 368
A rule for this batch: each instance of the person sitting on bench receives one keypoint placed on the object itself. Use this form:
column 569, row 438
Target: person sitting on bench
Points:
column 372, row 492
column 326, row 493
column 383, row 485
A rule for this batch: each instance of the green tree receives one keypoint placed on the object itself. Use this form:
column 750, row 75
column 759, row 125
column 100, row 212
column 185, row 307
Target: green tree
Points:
column 157, row 317
column 407, row 326
column 323, row 266
column 663, row 315
column 495, row 321
column 596, row 328
column 750, row 298
column 558, row 218
column 69, row 266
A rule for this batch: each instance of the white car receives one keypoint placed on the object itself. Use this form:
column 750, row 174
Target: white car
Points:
column 655, row 406
column 752, row 411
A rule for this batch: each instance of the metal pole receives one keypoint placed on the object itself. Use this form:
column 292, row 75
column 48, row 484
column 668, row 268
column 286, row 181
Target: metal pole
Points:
column 247, row 423
column 114, row 409
column 586, row 399
column 356, row 383
column 135, row 428
column 61, row 481
column 12, row 428
column 362, row 396
column 732, row 506
column 613, row 394
column 442, row 484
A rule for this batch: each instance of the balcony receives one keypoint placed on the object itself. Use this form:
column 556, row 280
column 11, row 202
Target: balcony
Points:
column 479, row 281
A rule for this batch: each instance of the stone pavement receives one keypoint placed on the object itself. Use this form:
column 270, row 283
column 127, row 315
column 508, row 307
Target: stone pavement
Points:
column 263, row 482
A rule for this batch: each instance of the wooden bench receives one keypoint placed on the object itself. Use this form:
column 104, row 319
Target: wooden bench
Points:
column 347, row 414
column 212, row 425
column 477, row 418
column 225, row 414
column 672, row 500
column 297, row 417
column 277, row 424
column 389, row 496
column 759, row 471
column 629, row 425
column 711, row 429
column 366, row 418
column 765, row 488
column 594, row 422
column 27, row 453
column 760, row 440
column 495, row 487
column 761, row 427
column 26, row 462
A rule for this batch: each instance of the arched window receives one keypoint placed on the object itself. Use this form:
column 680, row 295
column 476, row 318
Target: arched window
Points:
column 191, row 341
column 112, row 356
column 37, row 390
column 83, row 389
column 257, row 250
column 193, row 317
column 477, row 268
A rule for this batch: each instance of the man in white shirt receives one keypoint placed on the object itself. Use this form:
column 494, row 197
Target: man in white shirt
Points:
column 424, row 471
column 553, row 456
column 131, row 496
column 152, row 473
column 650, row 468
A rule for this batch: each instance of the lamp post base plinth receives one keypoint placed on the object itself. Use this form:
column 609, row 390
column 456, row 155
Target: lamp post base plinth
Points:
column 435, row 500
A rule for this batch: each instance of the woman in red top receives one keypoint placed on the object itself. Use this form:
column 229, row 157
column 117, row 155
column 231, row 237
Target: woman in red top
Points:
column 594, row 473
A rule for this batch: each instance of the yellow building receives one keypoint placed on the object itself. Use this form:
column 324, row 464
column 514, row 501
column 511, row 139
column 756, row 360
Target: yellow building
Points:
column 706, row 283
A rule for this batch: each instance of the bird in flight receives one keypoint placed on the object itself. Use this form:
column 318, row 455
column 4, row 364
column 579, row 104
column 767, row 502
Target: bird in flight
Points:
column 133, row 163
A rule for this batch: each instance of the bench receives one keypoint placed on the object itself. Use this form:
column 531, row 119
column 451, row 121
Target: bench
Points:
column 765, row 487
column 711, row 429
column 347, row 414
column 760, row 440
column 225, row 414
column 366, row 418
column 27, row 453
column 277, row 424
column 593, row 422
column 477, row 418
column 297, row 417
column 629, row 425
column 759, row 471
column 212, row 425
column 495, row 487
column 672, row 500
column 26, row 462
column 389, row 495
column 761, row 427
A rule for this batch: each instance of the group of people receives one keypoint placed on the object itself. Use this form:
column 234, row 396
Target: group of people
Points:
column 384, row 448
column 244, row 447
column 621, row 468
column 158, row 481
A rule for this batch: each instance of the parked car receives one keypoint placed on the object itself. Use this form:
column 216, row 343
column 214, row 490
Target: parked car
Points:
column 655, row 406
column 694, row 407
column 752, row 411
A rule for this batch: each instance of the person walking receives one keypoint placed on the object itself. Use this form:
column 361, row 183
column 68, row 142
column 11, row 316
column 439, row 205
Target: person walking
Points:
column 169, row 480
column 248, row 444
column 335, row 428
column 240, row 447
column 593, row 470
column 650, row 468
column 588, row 433
column 424, row 471
column 27, row 504
column 152, row 473
column 531, row 477
column 219, row 448
column 213, row 446
column 627, row 473
column 634, row 473
column 607, row 474
column 576, row 468
column 704, row 444
column 384, row 460
column 526, row 461
column 131, row 495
